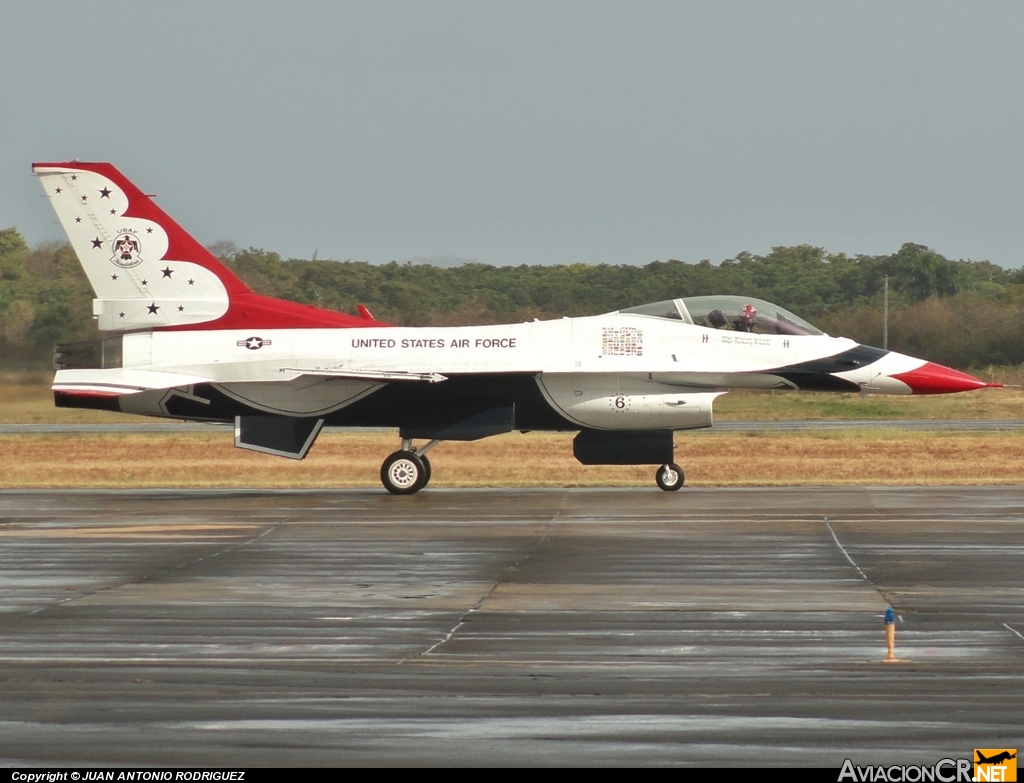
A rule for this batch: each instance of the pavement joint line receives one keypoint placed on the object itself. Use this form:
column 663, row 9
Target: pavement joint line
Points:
column 158, row 574
column 1013, row 631
column 859, row 571
column 497, row 584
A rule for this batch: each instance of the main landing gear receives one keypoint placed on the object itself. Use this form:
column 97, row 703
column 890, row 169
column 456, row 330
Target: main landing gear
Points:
column 407, row 470
column 670, row 477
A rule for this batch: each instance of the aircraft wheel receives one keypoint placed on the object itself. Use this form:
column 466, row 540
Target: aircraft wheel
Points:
column 426, row 471
column 404, row 473
column 670, row 477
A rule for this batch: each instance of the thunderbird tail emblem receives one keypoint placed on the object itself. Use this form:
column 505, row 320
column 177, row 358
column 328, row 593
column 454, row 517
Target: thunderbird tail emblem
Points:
column 126, row 250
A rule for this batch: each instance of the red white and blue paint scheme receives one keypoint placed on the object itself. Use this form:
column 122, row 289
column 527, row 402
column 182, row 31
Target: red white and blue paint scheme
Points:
column 189, row 340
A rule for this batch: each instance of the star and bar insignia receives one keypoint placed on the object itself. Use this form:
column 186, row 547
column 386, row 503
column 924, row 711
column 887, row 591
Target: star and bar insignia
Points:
column 253, row 343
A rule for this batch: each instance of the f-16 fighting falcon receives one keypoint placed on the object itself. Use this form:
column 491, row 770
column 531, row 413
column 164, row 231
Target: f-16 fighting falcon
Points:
column 189, row 340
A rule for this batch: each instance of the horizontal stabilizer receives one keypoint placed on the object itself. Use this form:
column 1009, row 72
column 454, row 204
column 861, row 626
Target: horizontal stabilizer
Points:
column 282, row 436
column 114, row 382
column 147, row 312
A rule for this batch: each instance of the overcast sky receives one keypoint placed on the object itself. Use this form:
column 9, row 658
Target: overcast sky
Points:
column 520, row 132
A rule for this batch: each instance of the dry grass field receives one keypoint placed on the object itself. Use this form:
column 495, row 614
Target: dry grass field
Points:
column 515, row 460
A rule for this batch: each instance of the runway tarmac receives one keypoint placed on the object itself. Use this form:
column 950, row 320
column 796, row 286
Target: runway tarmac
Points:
column 577, row 626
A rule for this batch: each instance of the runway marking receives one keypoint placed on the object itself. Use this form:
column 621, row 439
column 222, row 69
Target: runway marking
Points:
column 864, row 576
column 1014, row 631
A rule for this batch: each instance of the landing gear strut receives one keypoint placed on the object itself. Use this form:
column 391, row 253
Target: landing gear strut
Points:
column 670, row 477
column 407, row 470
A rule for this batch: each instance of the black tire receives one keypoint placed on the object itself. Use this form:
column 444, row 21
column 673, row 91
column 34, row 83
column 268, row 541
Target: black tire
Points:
column 670, row 477
column 403, row 473
column 426, row 471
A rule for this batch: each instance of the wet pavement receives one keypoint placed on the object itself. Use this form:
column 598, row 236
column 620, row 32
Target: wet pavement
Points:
column 578, row 626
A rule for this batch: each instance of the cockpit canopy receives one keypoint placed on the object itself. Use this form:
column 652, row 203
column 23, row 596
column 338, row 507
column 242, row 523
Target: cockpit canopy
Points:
column 736, row 313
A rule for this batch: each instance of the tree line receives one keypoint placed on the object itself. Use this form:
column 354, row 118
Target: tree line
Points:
column 966, row 314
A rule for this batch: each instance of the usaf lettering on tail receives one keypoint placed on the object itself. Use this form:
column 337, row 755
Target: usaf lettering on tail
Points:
column 192, row 341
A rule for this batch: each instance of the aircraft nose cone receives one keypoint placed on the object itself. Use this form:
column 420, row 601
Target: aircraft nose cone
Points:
column 935, row 379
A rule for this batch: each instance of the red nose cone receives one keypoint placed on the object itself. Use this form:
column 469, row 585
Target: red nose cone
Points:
column 936, row 379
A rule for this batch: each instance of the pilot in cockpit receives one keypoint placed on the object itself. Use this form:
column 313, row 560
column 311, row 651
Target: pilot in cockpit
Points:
column 717, row 319
column 746, row 320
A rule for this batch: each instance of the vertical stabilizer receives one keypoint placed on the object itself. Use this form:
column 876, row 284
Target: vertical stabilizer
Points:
column 145, row 269
column 148, row 272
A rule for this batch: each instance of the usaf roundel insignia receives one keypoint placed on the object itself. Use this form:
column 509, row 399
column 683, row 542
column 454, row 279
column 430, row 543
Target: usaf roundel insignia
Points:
column 126, row 250
column 253, row 343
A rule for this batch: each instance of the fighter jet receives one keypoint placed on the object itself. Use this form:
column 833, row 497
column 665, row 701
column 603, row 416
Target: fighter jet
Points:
column 189, row 340
column 996, row 759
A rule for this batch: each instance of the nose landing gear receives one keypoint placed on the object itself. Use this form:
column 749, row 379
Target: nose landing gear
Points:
column 670, row 477
column 407, row 471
